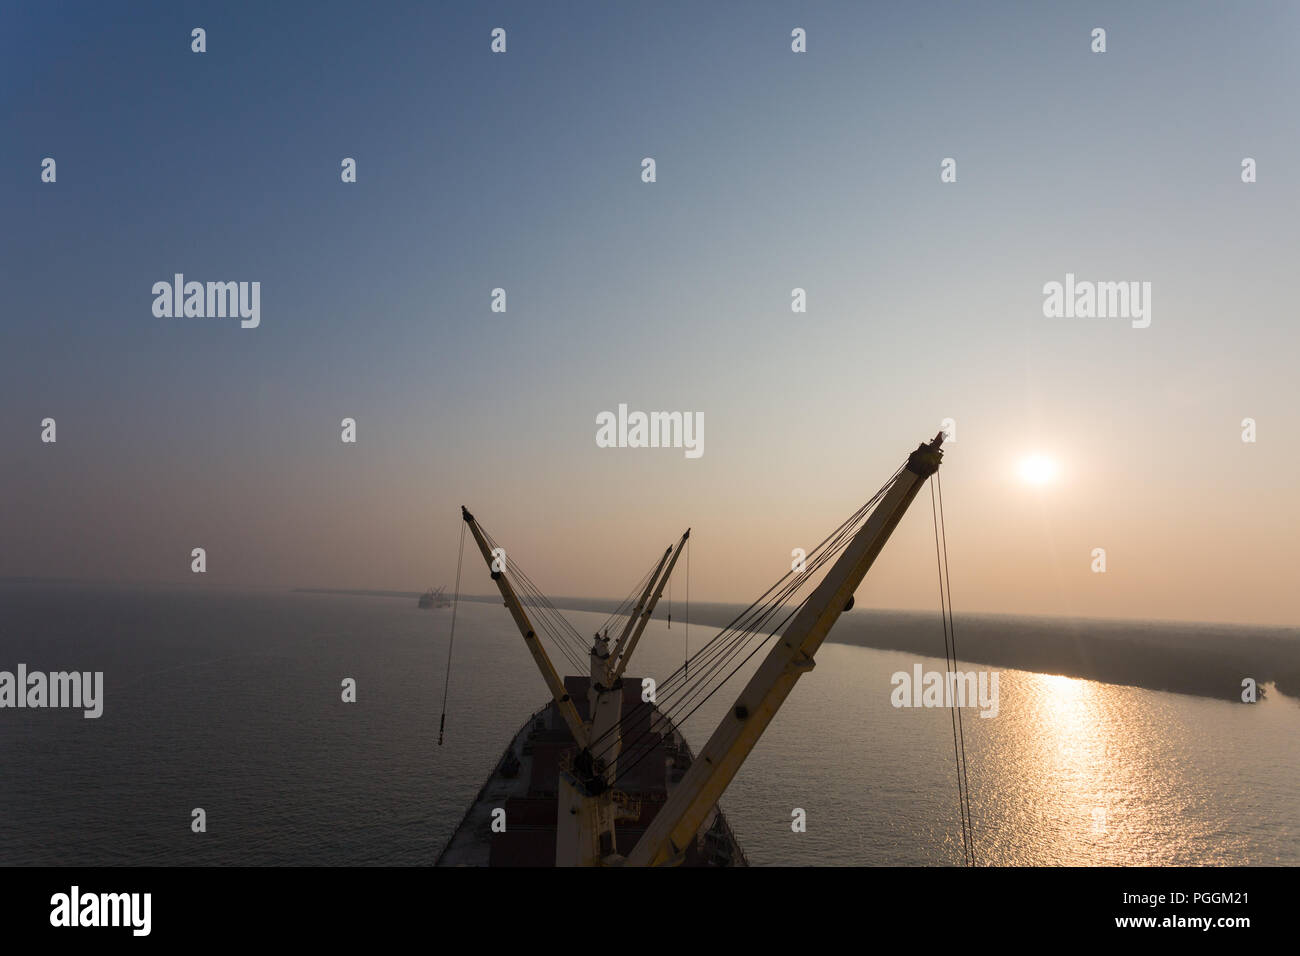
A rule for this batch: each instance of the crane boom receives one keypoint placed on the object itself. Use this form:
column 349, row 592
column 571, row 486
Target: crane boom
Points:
column 640, row 605
column 655, row 595
column 563, row 702
column 691, row 801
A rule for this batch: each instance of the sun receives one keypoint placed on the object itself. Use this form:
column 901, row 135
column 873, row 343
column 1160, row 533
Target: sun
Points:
column 1037, row 470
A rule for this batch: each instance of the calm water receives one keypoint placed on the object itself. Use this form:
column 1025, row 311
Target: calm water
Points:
column 231, row 702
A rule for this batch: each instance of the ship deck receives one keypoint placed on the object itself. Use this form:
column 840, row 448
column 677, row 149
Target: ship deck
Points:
column 530, row 794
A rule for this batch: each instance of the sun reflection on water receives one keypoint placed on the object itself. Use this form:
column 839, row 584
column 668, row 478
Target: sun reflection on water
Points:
column 1090, row 785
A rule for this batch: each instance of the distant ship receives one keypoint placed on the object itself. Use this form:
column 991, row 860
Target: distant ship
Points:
column 600, row 778
column 435, row 599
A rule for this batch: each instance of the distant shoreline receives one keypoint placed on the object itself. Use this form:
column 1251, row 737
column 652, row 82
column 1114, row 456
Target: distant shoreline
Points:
column 1201, row 659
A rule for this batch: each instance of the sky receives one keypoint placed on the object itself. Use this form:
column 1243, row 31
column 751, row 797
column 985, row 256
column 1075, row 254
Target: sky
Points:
column 775, row 170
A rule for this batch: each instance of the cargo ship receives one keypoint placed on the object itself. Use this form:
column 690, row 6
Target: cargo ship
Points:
column 525, row 784
column 434, row 599
column 597, row 777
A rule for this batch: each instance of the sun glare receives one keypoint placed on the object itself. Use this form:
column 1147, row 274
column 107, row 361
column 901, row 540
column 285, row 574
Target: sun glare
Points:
column 1037, row 470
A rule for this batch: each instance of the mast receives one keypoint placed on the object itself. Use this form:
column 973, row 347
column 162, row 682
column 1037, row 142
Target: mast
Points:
column 635, row 615
column 642, row 617
column 691, row 801
column 563, row 703
column 605, row 692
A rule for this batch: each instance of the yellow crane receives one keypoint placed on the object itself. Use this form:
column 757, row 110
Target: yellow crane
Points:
column 589, row 805
column 789, row 659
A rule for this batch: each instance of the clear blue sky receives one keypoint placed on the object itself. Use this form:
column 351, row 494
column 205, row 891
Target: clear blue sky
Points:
column 775, row 170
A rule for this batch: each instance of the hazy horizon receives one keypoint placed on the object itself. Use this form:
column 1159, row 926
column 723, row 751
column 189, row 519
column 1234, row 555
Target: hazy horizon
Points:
column 560, row 600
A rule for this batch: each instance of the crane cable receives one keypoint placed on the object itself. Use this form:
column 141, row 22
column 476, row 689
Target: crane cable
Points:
column 627, row 607
column 547, row 618
column 732, row 641
column 689, row 696
column 686, row 654
column 452, row 642
column 950, row 657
